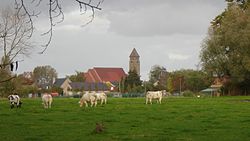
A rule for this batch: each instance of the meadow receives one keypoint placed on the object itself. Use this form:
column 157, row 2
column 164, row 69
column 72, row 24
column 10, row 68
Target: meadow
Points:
column 181, row 119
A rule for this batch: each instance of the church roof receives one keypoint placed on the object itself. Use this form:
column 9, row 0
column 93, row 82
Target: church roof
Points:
column 134, row 53
column 99, row 74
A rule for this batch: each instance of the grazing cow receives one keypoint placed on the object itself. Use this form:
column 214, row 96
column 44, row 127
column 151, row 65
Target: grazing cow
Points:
column 14, row 100
column 101, row 96
column 47, row 100
column 88, row 97
column 154, row 95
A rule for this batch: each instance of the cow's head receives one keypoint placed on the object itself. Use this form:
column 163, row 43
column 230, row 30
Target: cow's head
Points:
column 81, row 102
column 10, row 97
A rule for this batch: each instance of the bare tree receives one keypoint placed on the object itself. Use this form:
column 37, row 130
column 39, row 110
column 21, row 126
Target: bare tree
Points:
column 15, row 36
column 55, row 13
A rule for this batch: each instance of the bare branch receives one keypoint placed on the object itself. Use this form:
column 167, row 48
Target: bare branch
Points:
column 55, row 14
column 89, row 4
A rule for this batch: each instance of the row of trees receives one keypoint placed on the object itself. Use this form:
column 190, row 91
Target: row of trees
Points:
column 173, row 82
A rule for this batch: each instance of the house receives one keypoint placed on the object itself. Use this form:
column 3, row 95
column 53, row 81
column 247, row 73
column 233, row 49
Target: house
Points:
column 215, row 88
column 101, row 76
column 63, row 83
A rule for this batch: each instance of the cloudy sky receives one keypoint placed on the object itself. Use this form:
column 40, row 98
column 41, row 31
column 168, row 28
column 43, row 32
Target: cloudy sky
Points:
column 168, row 33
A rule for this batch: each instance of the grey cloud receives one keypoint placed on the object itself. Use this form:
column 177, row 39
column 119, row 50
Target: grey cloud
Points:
column 160, row 17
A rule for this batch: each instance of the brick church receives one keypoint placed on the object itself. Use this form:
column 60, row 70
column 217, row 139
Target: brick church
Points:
column 112, row 75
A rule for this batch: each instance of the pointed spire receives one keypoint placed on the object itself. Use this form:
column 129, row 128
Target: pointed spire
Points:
column 134, row 53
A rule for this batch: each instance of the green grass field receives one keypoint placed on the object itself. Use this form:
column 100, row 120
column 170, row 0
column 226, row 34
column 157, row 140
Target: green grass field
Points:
column 182, row 119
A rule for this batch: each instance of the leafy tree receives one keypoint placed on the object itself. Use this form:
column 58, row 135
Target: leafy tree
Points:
column 132, row 81
column 170, row 87
column 44, row 75
column 122, row 85
column 187, row 79
column 226, row 52
column 158, row 77
column 57, row 89
column 7, row 88
column 78, row 77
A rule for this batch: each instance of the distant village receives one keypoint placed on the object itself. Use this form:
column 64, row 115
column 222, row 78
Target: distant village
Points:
column 115, row 79
column 95, row 79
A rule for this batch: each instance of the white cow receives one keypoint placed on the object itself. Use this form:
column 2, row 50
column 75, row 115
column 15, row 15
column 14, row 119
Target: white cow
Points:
column 88, row 97
column 154, row 95
column 101, row 96
column 14, row 100
column 47, row 100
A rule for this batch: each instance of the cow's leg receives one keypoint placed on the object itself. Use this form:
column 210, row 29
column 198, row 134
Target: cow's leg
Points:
column 20, row 103
column 160, row 100
column 146, row 100
column 86, row 104
column 95, row 103
column 150, row 100
column 17, row 104
column 101, row 101
column 105, row 100
column 12, row 106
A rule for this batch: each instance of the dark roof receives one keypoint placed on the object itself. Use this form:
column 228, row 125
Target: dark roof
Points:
column 88, row 86
column 95, row 86
column 134, row 53
column 77, row 85
column 59, row 82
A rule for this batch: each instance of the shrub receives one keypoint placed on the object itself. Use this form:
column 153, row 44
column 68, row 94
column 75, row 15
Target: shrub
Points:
column 188, row 94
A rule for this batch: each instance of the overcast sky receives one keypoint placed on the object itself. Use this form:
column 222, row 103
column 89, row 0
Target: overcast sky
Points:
column 168, row 33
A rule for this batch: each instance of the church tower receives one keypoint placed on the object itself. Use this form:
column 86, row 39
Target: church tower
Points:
column 134, row 62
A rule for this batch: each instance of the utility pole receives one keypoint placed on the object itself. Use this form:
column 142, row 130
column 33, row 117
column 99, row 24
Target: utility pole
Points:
column 180, row 85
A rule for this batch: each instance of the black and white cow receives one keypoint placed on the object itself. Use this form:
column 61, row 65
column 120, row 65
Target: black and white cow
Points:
column 14, row 100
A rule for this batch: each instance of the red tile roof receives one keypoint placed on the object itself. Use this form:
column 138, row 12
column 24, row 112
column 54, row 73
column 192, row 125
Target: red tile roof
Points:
column 98, row 74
